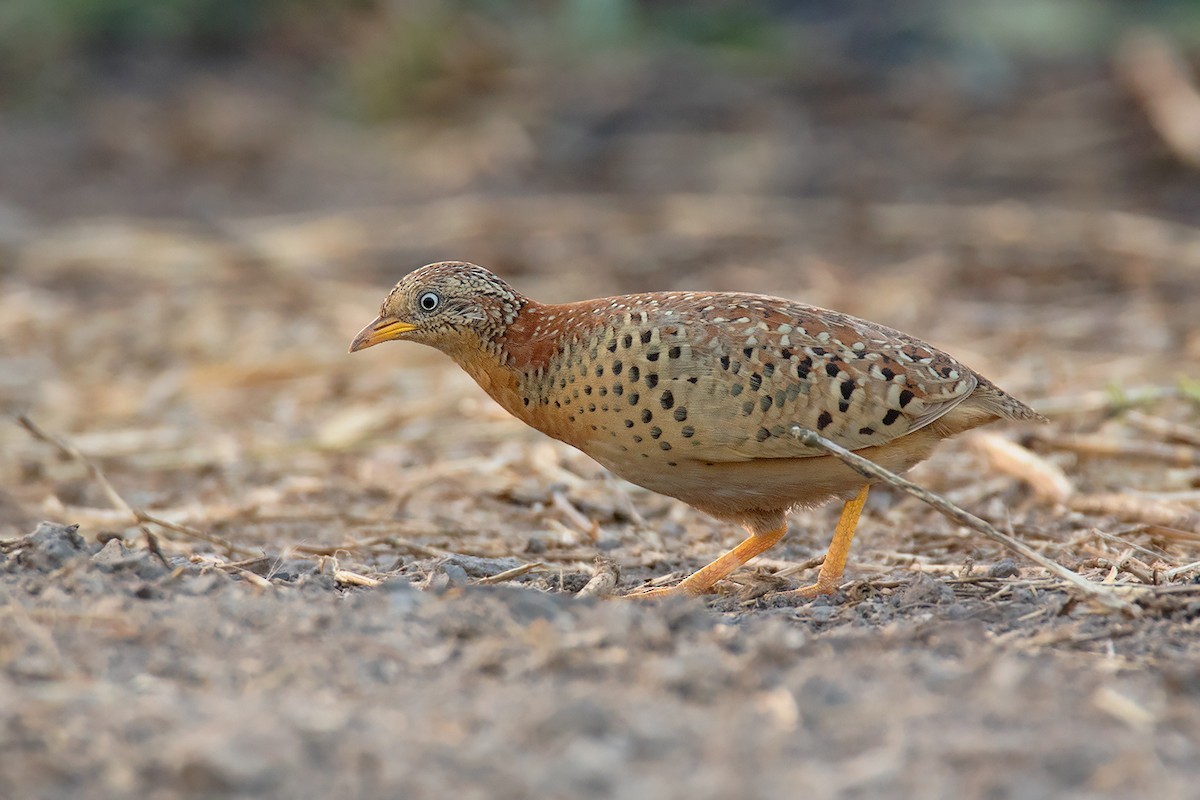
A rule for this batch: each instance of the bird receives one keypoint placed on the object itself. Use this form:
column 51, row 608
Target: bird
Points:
column 696, row 395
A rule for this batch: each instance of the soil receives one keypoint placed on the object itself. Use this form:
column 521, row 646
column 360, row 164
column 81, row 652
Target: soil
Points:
column 325, row 595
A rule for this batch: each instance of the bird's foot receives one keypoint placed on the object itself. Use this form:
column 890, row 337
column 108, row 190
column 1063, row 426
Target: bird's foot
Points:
column 815, row 590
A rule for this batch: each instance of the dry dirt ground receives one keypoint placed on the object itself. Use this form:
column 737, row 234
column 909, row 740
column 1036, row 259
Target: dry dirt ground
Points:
column 338, row 607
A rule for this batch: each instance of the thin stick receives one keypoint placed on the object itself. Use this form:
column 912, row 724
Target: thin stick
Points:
column 509, row 574
column 140, row 517
column 603, row 581
column 870, row 469
column 1047, row 480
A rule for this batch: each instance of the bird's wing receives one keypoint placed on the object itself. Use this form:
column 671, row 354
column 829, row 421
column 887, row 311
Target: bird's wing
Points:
column 756, row 367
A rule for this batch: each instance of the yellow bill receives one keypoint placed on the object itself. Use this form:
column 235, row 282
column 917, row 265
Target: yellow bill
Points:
column 381, row 330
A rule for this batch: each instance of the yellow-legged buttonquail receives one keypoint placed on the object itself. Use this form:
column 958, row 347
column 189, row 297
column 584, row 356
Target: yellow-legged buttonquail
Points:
column 694, row 394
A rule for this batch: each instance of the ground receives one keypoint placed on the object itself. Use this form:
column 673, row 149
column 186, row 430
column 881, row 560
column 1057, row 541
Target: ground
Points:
column 323, row 614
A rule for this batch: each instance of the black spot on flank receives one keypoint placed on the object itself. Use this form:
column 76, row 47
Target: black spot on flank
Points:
column 633, row 398
column 634, row 373
column 843, row 406
column 802, row 370
column 891, row 416
column 818, row 351
column 655, row 432
column 680, row 414
column 618, row 389
column 628, row 423
column 646, row 336
column 747, row 407
column 868, row 431
column 847, row 389
column 748, row 352
column 692, row 379
column 905, row 397
column 595, row 428
column 651, row 380
column 571, row 418
column 587, row 390
column 785, row 354
column 603, row 391
column 617, row 367
column 765, row 402
column 612, row 346
column 599, row 370
column 687, row 432
column 736, row 389
column 637, row 439
column 665, row 445
column 652, row 355
column 526, row 399
column 646, row 415
column 768, row 370
column 824, row 421
column 832, row 370
column 674, row 352
column 755, row 382
column 668, row 399
column 592, row 407
column 724, row 362
column 762, row 435
column 627, row 342
column 946, row 371
column 557, row 404
column 672, row 463
column 887, row 373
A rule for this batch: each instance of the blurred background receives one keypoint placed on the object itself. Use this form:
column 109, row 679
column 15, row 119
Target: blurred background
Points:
column 202, row 201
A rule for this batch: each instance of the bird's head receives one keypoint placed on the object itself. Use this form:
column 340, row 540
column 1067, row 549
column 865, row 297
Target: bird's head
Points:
column 457, row 307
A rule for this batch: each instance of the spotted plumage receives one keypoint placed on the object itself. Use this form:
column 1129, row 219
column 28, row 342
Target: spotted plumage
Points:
column 693, row 394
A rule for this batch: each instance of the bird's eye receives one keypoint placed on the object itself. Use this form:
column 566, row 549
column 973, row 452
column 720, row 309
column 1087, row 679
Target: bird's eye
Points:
column 428, row 301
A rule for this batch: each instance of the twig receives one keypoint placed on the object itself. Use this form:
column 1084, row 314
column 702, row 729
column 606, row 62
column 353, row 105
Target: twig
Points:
column 871, row 470
column 603, row 581
column 140, row 517
column 509, row 574
column 349, row 578
column 1047, row 480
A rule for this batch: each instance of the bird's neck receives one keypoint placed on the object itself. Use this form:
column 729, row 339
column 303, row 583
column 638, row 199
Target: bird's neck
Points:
column 511, row 363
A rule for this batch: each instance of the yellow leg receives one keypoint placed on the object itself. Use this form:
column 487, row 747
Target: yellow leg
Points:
column 701, row 581
column 839, row 548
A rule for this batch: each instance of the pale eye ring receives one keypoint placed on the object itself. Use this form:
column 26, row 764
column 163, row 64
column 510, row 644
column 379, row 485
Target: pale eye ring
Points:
column 428, row 301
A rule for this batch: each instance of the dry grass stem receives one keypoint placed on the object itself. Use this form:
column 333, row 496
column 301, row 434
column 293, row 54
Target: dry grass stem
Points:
column 139, row 517
column 350, row 578
column 509, row 574
column 871, row 470
column 1047, row 480
column 604, row 580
